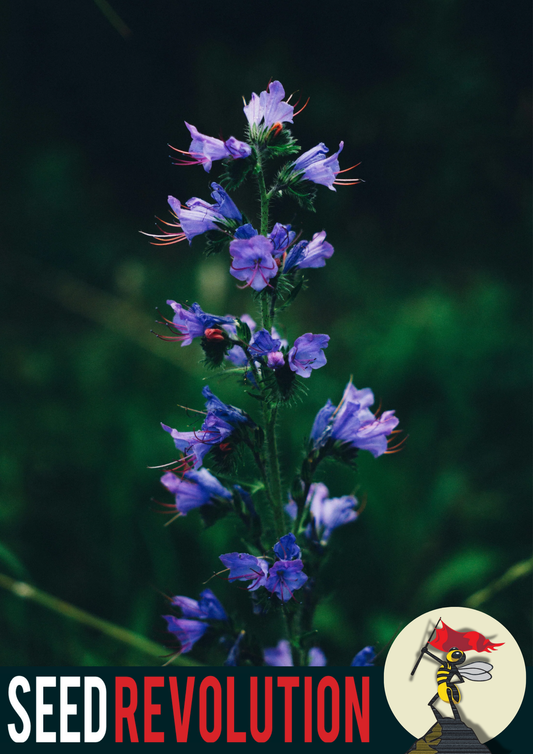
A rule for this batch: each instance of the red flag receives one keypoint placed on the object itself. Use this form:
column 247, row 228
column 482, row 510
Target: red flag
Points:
column 447, row 638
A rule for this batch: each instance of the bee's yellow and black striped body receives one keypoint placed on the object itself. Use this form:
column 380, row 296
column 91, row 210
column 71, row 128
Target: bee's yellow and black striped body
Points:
column 445, row 673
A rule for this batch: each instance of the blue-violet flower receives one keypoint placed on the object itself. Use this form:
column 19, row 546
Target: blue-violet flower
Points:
column 207, row 608
column 353, row 423
column 253, row 261
column 268, row 108
column 314, row 166
column 230, row 414
column 285, row 577
column 192, row 323
column 196, row 444
column 307, row 353
column 281, row 236
column 309, row 253
column 327, row 513
column 194, row 489
column 204, row 149
column 364, row 658
column 245, row 567
column 187, row 632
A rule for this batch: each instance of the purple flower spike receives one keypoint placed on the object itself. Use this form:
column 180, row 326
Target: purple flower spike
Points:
column 245, row 567
column 187, row 632
column 307, row 353
column 286, row 548
column 353, row 423
column 364, row 658
column 317, row 168
column 267, row 109
column 285, row 577
column 309, row 253
column 192, row 323
column 205, row 149
column 195, row 489
column 253, row 261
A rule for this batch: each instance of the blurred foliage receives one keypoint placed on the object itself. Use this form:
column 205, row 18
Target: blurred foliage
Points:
column 426, row 301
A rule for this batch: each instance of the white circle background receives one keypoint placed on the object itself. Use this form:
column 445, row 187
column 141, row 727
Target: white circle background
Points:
column 486, row 706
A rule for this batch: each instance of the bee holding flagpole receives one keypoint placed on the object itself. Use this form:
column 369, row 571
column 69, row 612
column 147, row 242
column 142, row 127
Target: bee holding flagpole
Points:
column 455, row 644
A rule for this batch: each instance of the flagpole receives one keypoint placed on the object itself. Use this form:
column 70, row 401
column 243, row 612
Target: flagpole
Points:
column 422, row 650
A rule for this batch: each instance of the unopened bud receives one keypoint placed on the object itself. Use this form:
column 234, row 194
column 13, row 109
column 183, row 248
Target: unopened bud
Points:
column 214, row 333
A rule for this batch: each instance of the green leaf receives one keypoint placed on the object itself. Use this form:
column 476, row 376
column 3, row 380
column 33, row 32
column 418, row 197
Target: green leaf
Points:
column 281, row 144
column 216, row 242
column 292, row 294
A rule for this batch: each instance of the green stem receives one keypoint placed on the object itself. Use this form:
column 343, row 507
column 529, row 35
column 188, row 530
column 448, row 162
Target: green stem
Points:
column 263, row 194
column 26, row 591
column 273, row 469
column 291, row 624
column 309, row 468
column 269, row 412
column 517, row 571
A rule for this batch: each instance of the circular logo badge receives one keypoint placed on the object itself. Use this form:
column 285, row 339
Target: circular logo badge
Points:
column 454, row 670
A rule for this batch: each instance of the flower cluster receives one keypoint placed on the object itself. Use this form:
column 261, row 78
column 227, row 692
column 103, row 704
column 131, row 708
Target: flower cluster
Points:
column 283, row 578
column 285, row 534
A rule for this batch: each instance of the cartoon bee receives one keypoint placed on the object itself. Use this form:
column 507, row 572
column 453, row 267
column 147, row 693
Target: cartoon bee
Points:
column 448, row 691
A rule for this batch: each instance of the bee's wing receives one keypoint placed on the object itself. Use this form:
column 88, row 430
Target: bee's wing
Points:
column 477, row 671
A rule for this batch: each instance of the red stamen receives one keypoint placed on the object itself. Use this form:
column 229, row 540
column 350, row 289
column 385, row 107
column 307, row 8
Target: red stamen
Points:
column 195, row 158
column 302, row 108
column 396, row 448
column 346, row 169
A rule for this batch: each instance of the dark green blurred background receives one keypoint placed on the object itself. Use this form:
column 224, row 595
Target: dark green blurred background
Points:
column 426, row 300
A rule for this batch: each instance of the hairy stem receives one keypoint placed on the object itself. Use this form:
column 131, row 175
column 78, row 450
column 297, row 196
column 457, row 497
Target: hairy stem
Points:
column 263, row 195
column 273, row 469
column 273, row 480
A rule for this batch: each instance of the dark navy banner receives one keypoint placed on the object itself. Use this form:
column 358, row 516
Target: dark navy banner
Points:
column 345, row 706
